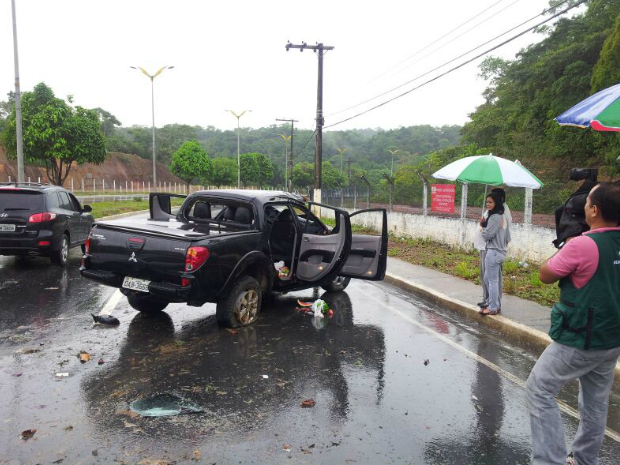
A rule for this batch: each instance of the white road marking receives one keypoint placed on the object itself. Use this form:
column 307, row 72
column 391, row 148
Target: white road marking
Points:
column 109, row 306
column 518, row 381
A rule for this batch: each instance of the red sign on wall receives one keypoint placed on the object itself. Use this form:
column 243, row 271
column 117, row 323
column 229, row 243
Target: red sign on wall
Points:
column 442, row 198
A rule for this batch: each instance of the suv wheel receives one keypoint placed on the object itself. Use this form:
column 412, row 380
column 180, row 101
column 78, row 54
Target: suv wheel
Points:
column 60, row 255
column 338, row 284
column 146, row 303
column 242, row 304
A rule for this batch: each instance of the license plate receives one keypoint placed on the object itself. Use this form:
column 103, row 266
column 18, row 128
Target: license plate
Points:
column 7, row 227
column 136, row 284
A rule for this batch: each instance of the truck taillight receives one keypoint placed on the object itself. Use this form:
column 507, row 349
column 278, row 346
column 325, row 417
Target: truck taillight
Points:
column 41, row 217
column 195, row 258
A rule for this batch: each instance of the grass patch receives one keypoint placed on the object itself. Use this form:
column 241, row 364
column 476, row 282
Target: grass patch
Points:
column 518, row 281
column 101, row 209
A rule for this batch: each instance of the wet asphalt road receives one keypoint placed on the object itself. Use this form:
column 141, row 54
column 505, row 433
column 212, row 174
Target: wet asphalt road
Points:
column 376, row 400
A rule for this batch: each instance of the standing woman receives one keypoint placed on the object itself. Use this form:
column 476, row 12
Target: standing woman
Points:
column 494, row 235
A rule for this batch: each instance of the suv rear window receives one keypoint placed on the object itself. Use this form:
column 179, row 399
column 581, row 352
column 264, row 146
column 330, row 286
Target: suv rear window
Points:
column 21, row 200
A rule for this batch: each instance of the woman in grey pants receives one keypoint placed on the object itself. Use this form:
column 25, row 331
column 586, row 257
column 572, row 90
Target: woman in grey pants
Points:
column 495, row 237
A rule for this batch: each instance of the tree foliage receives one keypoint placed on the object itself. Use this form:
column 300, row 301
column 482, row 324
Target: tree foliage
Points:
column 191, row 162
column 224, row 172
column 55, row 134
column 578, row 55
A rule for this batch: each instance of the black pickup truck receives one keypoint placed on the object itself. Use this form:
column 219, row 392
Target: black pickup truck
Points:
column 225, row 246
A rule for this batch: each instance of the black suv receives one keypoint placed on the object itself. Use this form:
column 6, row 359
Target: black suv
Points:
column 41, row 220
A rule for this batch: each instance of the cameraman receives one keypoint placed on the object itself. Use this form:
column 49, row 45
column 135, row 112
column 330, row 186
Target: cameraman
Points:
column 585, row 328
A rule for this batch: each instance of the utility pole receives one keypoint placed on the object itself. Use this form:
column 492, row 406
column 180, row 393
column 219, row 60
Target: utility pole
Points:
column 349, row 162
column 341, row 152
column 18, row 105
column 292, row 156
column 320, row 50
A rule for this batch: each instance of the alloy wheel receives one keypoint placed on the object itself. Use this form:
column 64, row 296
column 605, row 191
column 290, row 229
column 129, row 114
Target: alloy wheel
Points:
column 246, row 308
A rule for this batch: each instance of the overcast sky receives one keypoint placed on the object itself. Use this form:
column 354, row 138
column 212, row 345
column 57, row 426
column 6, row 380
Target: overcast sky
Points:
column 231, row 55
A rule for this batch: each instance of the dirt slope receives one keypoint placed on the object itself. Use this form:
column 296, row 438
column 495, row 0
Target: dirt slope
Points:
column 120, row 167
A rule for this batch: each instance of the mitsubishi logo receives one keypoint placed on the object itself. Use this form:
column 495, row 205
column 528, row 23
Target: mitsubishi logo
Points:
column 133, row 258
column 4, row 215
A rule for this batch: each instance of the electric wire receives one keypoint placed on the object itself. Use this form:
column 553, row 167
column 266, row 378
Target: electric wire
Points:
column 456, row 67
column 435, row 41
column 464, row 54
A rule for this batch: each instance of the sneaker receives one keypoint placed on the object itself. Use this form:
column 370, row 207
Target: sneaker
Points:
column 482, row 304
column 570, row 460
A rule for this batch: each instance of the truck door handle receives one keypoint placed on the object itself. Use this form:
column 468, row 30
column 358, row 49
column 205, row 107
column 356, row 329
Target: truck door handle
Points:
column 306, row 239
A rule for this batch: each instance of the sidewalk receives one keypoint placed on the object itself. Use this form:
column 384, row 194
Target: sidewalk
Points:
column 522, row 320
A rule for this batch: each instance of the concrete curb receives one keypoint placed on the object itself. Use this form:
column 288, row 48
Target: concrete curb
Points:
column 512, row 329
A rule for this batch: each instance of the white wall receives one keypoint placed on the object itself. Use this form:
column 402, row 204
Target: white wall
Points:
column 531, row 244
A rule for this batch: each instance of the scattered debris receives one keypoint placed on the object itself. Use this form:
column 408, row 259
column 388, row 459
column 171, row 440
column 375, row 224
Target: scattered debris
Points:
column 62, row 375
column 17, row 375
column 51, row 288
column 27, row 434
column 164, row 405
column 426, row 362
column 100, row 362
column 265, row 376
column 105, row 319
column 197, row 454
column 129, row 413
column 69, row 428
column 232, row 331
column 28, row 351
column 84, row 356
column 282, row 269
column 308, row 403
column 286, row 448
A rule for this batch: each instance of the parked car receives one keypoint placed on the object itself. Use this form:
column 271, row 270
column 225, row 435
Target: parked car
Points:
column 41, row 220
column 231, row 247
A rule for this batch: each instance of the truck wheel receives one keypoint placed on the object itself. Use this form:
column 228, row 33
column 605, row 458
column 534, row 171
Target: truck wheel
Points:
column 338, row 284
column 59, row 256
column 146, row 303
column 242, row 304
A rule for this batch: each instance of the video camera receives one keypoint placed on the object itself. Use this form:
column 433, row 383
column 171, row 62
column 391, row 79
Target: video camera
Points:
column 570, row 219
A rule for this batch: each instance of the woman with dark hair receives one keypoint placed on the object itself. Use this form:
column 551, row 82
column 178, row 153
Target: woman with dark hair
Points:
column 494, row 235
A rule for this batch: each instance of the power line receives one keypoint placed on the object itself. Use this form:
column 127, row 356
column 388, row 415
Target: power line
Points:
column 435, row 41
column 464, row 54
column 460, row 65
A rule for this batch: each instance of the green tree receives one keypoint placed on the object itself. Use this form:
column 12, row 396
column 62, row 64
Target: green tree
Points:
column 55, row 133
column 191, row 162
column 224, row 172
column 108, row 121
column 331, row 178
column 250, row 169
column 303, row 175
column 606, row 72
column 265, row 169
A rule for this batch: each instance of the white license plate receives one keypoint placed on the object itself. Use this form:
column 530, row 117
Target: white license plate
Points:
column 136, row 284
column 7, row 227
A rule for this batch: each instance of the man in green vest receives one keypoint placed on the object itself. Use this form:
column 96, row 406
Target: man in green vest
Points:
column 585, row 328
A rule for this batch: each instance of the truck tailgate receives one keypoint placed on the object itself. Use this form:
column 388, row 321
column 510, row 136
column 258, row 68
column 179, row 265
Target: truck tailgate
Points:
column 145, row 254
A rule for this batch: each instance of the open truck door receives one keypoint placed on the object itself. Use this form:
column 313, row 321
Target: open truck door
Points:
column 160, row 206
column 368, row 255
column 322, row 252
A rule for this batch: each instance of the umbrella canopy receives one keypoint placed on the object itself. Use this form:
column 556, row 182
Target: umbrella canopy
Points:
column 600, row 111
column 488, row 169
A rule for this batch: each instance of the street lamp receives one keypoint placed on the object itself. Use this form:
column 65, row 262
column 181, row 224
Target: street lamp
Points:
column 152, row 77
column 393, row 152
column 341, row 152
column 238, row 116
column 286, row 139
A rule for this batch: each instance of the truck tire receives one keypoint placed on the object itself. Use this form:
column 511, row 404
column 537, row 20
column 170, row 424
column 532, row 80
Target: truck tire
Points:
column 146, row 303
column 242, row 304
column 338, row 284
column 60, row 255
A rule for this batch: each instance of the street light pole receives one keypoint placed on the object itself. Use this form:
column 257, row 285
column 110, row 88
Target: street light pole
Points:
column 238, row 116
column 286, row 139
column 18, row 105
column 152, row 78
column 341, row 152
column 393, row 152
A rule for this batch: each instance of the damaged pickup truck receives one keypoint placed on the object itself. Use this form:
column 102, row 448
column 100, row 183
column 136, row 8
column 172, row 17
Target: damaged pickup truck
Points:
column 231, row 247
